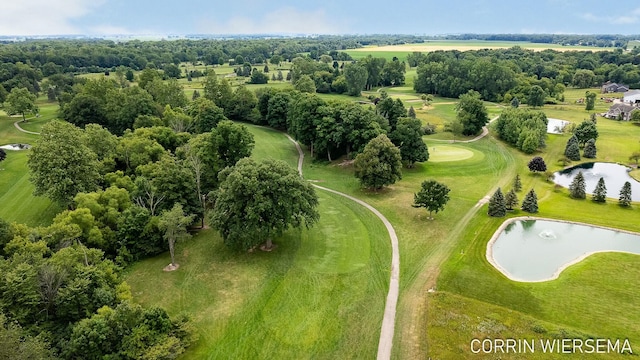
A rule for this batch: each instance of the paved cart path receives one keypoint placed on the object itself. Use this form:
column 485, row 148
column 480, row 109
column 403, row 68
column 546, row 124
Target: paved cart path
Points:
column 389, row 319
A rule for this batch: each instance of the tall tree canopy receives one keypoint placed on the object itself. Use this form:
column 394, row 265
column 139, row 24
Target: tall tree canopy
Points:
column 472, row 113
column 380, row 164
column 60, row 163
column 258, row 201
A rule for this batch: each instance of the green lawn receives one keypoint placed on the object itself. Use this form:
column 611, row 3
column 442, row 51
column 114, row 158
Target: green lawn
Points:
column 18, row 203
column 320, row 294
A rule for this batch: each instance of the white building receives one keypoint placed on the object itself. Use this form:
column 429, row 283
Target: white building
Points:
column 632, row 97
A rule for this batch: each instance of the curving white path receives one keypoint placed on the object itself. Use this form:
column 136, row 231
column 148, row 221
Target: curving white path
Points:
column 388, row 321
column 23, row 130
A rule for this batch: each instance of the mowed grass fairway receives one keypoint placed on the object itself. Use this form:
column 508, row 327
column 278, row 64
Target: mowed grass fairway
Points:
column 17, row 202
column 320, row 294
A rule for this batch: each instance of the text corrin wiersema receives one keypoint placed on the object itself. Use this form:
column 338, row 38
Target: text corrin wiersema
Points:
column 557, row 346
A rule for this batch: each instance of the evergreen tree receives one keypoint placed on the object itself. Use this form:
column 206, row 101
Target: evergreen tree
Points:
column 577, row 187
column 573, row 152
column 590, row 149
column 196, row 94
column 572, row 140
column 497, row 206
column 515, row 103
column 280, row 77
column 530, row 203
column 600, row 192
column 517, row 184
column 625, row 195
column 412, row 112
column 511, row 200
column 537, row 164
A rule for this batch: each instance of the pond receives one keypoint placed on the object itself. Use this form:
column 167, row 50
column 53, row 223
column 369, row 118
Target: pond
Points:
column 16, row 147
column 614, row 178
column 555, row 126
column 539, row 250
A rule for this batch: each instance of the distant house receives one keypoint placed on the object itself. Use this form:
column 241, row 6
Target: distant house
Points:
column 632, row 97
column 620, row 111
column 610, row 87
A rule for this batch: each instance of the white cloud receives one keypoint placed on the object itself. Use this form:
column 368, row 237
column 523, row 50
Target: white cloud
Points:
column 43, row 17
column 285, row 20
column 628, row 17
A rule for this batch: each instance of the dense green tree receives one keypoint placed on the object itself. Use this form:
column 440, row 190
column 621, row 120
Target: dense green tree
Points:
column 625, row 195
column 584, row 131
column 259, row 77
column 305, row 113
column 167, row 93
column 219, row 92
column 577, row 188
column 635, row 116
column 3, row 155
column 572, row 151
column 408, row 137
column 412, row 112
column 174, row 223
column 433, row 196
column 206, row 115
column 515, row 103
column 583, row 78
column 133, row 151
column 497, row 206
column 172, row 71
column 277, row 109
column 380, row 164
column 259, row 201
column 537, row 164
column 472, row 113
column 84, row 109
column 530, row 202
column 590, row 150
column 123, row 106
column 356, row 78
column 173, row 182
column 20, row 101
column 128, row 331
column 536, row 96
column 61, row 165
column 393, row 73
column 600, row 191
column 391, row 110
column 511, row 200
column 524, row 128
column 18, row 344
column 242, row 105
column 517, row 183
column 590, row 100
column 234, row 142
column 305, row 84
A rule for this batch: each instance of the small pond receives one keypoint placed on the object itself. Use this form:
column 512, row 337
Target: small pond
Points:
column 555, row 126
column 538, row 250
column 614, row 177
column 16, row 147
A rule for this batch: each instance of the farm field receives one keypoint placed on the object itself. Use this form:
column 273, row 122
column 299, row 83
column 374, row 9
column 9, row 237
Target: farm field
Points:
column 401, row 51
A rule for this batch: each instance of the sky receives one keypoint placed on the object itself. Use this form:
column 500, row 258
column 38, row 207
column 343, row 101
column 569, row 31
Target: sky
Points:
column 426, row 17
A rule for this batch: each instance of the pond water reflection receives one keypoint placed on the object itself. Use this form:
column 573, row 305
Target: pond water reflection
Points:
column 614, row 177
column 538, row 250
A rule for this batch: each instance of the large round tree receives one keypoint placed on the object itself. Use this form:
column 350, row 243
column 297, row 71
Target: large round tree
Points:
column 258, row 201
column 380, row 164
column 60, row 163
